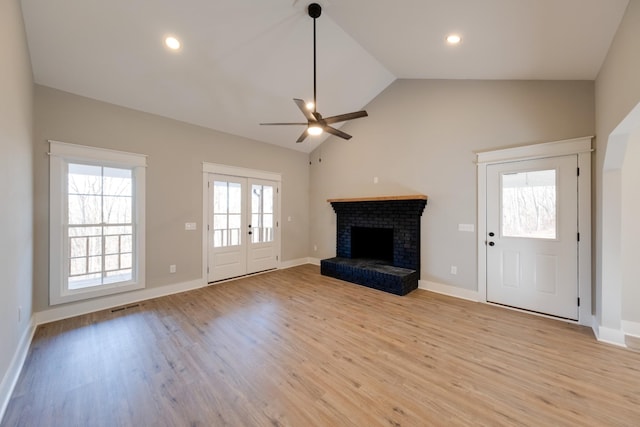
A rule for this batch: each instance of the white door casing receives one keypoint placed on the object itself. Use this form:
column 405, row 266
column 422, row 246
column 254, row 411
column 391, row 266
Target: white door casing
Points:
column 578, row 146
column 532, row 226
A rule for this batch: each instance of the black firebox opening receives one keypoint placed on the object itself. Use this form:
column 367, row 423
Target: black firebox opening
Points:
column 372, row 243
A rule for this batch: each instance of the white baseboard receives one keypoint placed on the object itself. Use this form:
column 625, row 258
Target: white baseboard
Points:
column 76, row 309
column 449, row 290
column 295, row 263
column 15, row 367
column 586, row 320
column 84, row 307
column 314, row 261
column 608, row 335
column 631, row 328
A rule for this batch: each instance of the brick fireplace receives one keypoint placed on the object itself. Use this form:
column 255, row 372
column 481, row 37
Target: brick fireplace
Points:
column 378, row 242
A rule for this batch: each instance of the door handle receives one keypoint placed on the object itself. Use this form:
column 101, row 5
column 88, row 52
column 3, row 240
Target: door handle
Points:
column 492, row 234
column 491, row 244
column 250, row 232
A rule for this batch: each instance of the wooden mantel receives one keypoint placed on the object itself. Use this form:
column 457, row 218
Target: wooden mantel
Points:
column 379, row 198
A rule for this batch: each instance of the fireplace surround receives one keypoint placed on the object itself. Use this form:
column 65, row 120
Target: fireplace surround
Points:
column 376, row 223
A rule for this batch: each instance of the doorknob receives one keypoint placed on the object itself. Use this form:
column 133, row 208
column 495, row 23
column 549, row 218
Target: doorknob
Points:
column 491, row 244
column 492, row 234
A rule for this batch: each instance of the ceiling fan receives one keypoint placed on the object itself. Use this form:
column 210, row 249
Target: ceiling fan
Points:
column 316, row 124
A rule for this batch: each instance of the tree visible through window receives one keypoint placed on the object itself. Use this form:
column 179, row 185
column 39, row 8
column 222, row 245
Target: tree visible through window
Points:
column 262, row 213
column 529, row 204
column 227, row 217
column 97, row 222
column 100, row 228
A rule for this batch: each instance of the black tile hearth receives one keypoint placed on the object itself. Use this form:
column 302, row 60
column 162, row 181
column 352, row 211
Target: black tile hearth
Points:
column 371, row 273
column 394, row 222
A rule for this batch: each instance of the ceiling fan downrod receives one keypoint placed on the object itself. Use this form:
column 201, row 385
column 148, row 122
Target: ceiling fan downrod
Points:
column 315, row 10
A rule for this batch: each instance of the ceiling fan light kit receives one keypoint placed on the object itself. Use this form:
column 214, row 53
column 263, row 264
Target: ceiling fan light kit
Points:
column 316, row 124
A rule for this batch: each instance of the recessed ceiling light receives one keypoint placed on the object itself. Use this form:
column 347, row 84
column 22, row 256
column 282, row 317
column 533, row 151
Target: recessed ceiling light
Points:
column 309, row 105
column 454, row 39
column 172, row 43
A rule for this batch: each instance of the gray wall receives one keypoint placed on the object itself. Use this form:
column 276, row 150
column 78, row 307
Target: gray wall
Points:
column 420, row 137
column 16, row 183
column 617, row 93
column 176, row 151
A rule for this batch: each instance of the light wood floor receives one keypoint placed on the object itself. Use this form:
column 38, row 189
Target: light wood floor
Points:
column 293, row 348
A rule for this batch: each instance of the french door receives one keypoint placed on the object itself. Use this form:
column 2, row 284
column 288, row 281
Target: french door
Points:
column 532, row 235
column 242, row 226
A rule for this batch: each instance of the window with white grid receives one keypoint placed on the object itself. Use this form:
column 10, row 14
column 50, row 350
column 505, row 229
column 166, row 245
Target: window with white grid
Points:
column 97, row 222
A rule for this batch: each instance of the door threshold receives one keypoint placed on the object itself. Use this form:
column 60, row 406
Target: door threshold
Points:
column 536, row 313
column 231, row 279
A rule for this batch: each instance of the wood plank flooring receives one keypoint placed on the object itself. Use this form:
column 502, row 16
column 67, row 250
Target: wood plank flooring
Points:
column 293, row 348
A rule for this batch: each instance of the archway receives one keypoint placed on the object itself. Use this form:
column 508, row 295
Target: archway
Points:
column 618, row 311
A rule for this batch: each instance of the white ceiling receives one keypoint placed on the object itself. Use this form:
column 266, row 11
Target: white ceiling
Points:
column 243, row 61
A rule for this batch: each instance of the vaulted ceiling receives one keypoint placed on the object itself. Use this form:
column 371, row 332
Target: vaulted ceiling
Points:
column 242, row 61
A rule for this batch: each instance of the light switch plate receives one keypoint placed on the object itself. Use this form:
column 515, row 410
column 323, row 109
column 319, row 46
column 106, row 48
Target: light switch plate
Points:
column 190, row 226
column 466, row 227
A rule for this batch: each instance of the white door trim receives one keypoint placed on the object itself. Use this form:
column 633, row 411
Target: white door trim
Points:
column 220, row 169
column 578, row 146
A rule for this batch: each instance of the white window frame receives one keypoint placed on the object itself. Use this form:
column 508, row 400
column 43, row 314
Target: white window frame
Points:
column 61, row 154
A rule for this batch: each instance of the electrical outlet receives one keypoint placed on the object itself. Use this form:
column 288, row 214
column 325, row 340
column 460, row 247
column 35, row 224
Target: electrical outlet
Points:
column 172, row 268
column 454, row 269
column 315, row 247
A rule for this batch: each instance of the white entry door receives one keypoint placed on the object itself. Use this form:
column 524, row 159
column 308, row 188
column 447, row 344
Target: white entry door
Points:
column 532, row 235
column 242, row 222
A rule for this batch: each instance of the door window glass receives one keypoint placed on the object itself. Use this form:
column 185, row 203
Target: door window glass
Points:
column 227, row 217
column 529, row 204
column 261, row 213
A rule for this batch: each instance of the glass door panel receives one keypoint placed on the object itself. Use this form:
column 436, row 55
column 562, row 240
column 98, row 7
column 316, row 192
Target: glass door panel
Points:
column 262, row 213
column 529, row 204
column 227, row 214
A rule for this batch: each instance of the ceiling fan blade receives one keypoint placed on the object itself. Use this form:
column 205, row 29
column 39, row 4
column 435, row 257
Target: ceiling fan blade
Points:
column 336, row 132
column 282, row 124
column 345, row 117
column 303, row 107
column 302, row 136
